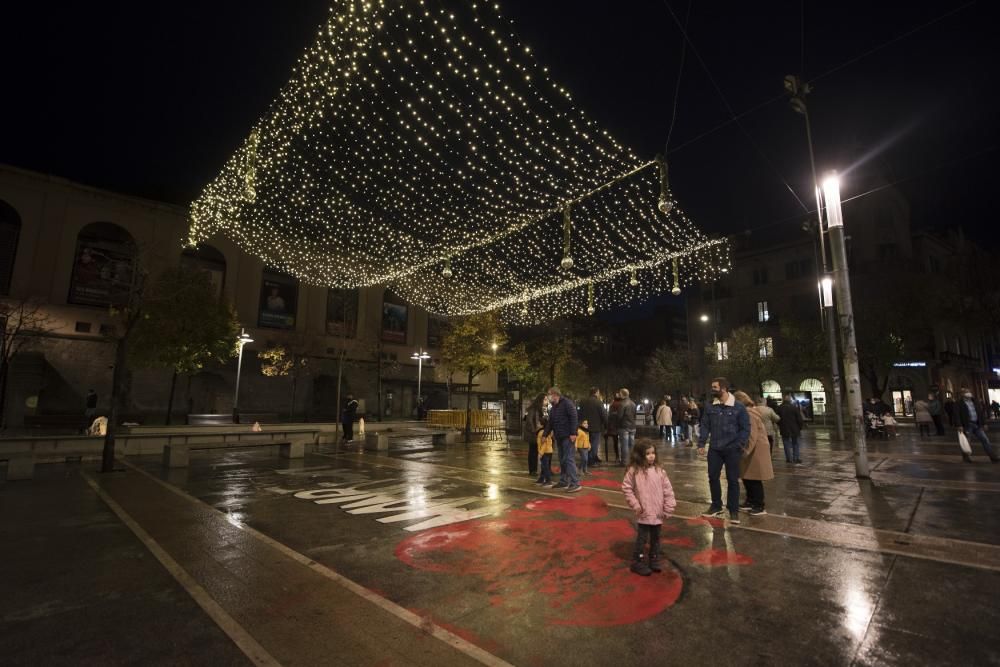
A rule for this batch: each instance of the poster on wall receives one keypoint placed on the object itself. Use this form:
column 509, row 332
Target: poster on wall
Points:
column 435, row 331
column 102, row 273
column 394, row 316
column 278, row 301
column 342, row 312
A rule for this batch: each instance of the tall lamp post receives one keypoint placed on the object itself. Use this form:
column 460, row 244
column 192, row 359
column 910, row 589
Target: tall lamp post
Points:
column 845, row 310
column 826, row 303
column 241, row 341
column 419, row 356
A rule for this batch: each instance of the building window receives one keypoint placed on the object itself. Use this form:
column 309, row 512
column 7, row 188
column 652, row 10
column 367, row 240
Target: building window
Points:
column 766, row 346
column 82, row 327
column 798, row 269
column 279, row 297
column 762, row 314
column 342, row 312
column 102, row 271
column 935, row 264
column 10, row 232
column 760, row 276
column 888, row 251
column 722, row 350
column 209, row 261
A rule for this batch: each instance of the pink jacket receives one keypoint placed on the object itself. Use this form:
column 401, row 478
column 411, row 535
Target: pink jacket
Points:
column 649, row 493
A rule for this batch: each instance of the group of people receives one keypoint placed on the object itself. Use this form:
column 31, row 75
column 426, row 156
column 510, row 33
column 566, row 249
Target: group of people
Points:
column 677, row 420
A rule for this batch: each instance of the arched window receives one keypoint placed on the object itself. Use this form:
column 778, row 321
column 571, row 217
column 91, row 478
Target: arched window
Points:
column 279, row 298
column 811, row 384
column 771, row 389
column 10, row 232
column 209, row 260
column 816, row 394
column 102, row 269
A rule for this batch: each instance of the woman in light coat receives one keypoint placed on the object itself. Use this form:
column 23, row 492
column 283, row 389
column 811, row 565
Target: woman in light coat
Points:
column 755, row 465
column 664, row 418
column 771, row 420
column 924, row 419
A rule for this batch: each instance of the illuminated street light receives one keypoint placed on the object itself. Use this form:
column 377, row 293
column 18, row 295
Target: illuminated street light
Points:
column 419, row 356
column 241, row 341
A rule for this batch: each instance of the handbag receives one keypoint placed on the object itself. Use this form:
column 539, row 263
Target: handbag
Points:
column 963, row 443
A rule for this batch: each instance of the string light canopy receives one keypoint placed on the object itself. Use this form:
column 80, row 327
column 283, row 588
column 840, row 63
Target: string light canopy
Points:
column 425, row 149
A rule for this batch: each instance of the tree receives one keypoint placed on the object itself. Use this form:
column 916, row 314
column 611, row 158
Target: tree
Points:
column 467, row 347
column 749, row 357
column 668, row 368
column 280, row 361
column 555, row 358
column 183, row 327
column 22, row 322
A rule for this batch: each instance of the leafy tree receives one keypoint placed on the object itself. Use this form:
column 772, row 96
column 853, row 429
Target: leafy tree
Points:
column 280, row 361
column 668, row 368
column 750, row 360
column 467, row 347
column 22, row 322
column 183, row 327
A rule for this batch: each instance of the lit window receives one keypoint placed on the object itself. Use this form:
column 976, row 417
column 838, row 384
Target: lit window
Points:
column 722, row 350
column 766, row 346
column 762, row 314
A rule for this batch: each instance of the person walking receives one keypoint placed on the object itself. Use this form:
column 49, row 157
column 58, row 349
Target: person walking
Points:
column 626, row 426
column 771, row 421
column 971, row 416
column 790, row 427
column 649, row 493
column 934, row 407
column 922, row 415
column 583, row 446
column 534, row 422
column 614, row 418
column 592, row 411
column 347, row 417
column 562, row 425
column 755, row 464
column 727, row 423
column 663, row 418
column 694, row 417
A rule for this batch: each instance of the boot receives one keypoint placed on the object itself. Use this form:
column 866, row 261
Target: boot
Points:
column 966, row 458
column 639, row 566
column 654, row 562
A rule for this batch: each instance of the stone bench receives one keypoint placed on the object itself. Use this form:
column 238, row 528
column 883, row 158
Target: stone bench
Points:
column 178, row 455
column 20, row 465
column 379, row 440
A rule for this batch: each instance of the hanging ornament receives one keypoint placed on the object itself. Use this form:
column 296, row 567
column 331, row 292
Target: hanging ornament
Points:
column 567, row 261
column 446, row 271
column 665, row 204
column 590, row 298
column 634, row 280
column 676, row 291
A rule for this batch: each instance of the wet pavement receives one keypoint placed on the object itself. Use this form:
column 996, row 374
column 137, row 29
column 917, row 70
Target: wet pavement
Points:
column 450, row 555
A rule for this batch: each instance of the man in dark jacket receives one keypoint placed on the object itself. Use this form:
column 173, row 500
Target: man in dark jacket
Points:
column 592, row 411
column 562, row 424
column 626, row 426
column 727, row 422
column 972, row 416
column 790, row 428
column 348, row 416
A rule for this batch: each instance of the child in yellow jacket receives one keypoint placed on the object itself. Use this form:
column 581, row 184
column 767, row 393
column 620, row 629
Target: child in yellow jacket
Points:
column 583, row 444
column 545, row 453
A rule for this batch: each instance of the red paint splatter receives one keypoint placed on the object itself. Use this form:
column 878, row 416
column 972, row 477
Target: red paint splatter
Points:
column 605, row 484
column 572, row 572
column 685, row 542
column 720, row 557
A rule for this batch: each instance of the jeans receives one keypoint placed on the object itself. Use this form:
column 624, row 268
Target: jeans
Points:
column 348, row 430
column 567, row 463
column 533, row 456
column 614, row 447
column 976, row 431
column 626, row 441
column 644, row 533
column 791, row 444
column 755, row 493
column 730, row 458
column 938, row 424
column 584, row 458
column 546, row 475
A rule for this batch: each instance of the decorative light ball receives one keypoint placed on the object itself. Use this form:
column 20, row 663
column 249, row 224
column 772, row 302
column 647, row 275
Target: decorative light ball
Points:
column 446, row 272
column 676, row 291
column 566, row 263
column 634, row 282
column 665, row 205
column 590, row 310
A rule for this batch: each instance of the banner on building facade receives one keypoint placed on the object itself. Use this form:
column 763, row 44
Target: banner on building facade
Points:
column 102, row 273
column 278, row 301
column 394, row 319
column 342, row 312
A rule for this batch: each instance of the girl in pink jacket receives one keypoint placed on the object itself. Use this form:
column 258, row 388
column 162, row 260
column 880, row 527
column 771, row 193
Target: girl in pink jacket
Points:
column 649, row 493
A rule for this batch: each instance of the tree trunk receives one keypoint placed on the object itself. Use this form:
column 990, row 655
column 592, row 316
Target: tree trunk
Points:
column 295, row 382
column 340, row 377
column 468, row 409
column 552, row 375
column 117, row 377
column 170, row 399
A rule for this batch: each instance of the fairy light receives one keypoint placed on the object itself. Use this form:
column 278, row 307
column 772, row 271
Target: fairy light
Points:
column 426, row 150
column 676, row 291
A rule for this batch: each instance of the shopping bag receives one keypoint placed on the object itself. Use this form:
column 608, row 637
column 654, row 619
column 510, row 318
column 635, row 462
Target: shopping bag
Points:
column 963, row 443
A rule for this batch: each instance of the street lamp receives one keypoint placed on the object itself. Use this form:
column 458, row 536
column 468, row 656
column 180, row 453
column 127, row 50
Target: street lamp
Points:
column 704, row 318
column 419, row 356
column 241, row 341
column 845, row 309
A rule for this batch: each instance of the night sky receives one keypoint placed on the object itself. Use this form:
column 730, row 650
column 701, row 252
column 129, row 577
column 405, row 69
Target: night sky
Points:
column 151, row 98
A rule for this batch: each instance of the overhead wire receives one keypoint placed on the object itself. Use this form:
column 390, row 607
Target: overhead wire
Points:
column 680, row 73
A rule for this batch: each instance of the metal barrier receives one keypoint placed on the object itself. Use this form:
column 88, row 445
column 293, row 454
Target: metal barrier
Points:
column 486, row 422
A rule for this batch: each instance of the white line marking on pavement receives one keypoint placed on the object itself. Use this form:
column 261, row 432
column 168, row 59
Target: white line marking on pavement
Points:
column 236, row 632
column 421, row 623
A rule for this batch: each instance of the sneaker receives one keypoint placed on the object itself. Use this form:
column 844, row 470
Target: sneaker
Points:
column 760, row 511
column 713, row 512
column 745, row 507
column 547, row 485
column 734, row 518
column 798, row 462
column 639, row 567
column 561, row 485
column 654, row 564
column 574, row 488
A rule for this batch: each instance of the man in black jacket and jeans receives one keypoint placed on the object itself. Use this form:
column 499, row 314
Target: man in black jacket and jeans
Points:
column 562, row 425
column 592, row 411
column 972, row 416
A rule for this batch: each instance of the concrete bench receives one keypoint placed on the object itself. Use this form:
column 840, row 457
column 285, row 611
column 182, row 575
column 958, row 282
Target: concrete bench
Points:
column 19, row 465
column 178, row 455
column 379, row 440
column 227, row 419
